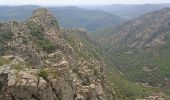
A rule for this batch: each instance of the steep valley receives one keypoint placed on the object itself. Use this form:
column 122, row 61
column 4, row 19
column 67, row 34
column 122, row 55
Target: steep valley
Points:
column 140, row 49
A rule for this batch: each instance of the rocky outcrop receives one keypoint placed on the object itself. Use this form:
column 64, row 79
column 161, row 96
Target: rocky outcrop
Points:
column 47, row 84
column 45, row 19
column 40, row 64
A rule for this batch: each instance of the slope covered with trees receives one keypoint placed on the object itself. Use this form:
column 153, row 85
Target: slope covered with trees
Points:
column 140, row 48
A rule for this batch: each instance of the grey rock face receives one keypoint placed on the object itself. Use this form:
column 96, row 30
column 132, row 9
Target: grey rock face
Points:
column 27, row 85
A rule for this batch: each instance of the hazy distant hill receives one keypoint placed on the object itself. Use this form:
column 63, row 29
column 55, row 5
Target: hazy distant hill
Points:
column 88, row 19
column 72, row 17
column 129, row 11
column 20, row 13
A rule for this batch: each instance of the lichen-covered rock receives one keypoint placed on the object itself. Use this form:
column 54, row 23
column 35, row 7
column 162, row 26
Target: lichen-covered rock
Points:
column 26, row 84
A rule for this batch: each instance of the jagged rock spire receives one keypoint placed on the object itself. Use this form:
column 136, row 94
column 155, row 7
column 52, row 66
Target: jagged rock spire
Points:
column 45, row 18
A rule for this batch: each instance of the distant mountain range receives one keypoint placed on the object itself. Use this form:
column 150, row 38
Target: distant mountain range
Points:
column 130, row 11
column 91, row 18
column 71, row 17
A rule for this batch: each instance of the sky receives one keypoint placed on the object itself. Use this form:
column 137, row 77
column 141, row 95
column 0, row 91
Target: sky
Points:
column 79, row 2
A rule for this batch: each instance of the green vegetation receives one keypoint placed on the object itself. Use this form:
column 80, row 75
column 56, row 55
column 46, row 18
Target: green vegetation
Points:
column 3, row 61
column 36, row 30
column 132, row 65
column 49, row 47
column 127, row 90
column 140, row 50
column 48, row 72
column 42, row 73
column 38, row 36
column 4, row 37
column 18, row 66
column 87, row 50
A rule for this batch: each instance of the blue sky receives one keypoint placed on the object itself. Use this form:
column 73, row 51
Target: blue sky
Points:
column 78, row 2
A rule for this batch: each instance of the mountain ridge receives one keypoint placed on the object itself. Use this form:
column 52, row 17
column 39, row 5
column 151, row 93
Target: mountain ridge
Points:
column 140, row 48
column 130, row 11
column 41, row 61
column 152, row 22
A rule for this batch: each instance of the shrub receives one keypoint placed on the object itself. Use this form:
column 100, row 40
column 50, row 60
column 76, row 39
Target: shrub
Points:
column 3, row 61
column 36, row 30
column 4, row 37
column 7, row 35
column 49, row 48
column 43, row 73
column 38, row 35
column 18, row 66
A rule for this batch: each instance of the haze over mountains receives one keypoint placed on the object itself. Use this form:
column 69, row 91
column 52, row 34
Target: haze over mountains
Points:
column 89, row 18
column 129, row 11
column 71, row 17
